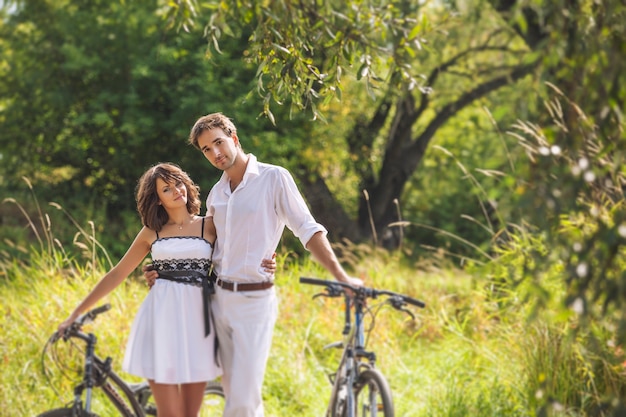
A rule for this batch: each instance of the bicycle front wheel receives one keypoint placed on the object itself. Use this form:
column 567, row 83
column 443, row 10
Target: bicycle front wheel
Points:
column 65, row 412
column 372, row 395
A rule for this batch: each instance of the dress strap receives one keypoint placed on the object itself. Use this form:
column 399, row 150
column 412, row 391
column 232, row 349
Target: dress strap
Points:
column 202, row 235
column 157, row 233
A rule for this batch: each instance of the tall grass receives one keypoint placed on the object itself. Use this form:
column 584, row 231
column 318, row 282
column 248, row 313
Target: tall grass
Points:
column 476, row 349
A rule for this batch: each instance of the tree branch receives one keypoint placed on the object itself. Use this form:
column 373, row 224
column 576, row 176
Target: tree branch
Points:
column 453, row 108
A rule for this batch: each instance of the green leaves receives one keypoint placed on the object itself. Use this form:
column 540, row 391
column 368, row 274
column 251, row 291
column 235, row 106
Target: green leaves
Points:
column 301, row 50
column 98, row 87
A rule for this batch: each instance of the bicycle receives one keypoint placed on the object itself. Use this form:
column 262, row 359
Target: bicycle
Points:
column 358, row 387
column 129, row 399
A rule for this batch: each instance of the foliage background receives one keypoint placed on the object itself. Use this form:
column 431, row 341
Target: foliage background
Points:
column 489, row 136
column 101, row 91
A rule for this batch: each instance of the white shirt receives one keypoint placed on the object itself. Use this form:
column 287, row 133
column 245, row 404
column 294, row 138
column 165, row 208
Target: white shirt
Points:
column 250, row 220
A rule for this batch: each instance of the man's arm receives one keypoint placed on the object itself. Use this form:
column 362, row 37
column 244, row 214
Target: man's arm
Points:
column 320, row 248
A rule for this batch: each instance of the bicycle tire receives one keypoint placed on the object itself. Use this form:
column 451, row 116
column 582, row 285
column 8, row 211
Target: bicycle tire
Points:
column 339, row 396
column 214, row 388
column 212, row 403
column 65, row 412
column 372, row 395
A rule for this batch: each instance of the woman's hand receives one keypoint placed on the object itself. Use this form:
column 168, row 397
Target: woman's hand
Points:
column 269, row 264
column 66, row 324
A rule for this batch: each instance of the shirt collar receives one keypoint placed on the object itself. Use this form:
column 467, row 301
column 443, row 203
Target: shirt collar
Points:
column 252, row 170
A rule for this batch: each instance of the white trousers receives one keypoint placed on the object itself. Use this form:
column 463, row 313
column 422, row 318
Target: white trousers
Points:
column 245, row 323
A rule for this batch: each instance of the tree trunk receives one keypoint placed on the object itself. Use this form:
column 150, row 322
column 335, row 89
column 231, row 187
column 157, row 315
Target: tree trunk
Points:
column 327, row 210
column 404, row 154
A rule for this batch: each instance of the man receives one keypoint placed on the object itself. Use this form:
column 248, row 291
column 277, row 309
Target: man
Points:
column 251, row 204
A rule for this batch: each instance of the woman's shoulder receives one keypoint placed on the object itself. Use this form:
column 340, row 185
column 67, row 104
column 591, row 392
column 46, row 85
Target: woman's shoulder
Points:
column 146, row 237
column 146, row 231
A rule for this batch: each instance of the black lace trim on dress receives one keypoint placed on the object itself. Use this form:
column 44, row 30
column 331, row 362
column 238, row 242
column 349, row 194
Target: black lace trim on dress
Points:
column 185, row 271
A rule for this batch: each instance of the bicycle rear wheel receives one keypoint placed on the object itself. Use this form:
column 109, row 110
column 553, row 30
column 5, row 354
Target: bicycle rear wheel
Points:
column 65, row 412
column 372, row 395
column 212, row 403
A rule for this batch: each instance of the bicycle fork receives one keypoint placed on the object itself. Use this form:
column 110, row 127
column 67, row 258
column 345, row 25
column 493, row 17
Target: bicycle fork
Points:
column 339, row 393
column 342, row 398
column 349, row 383
column 88, row 379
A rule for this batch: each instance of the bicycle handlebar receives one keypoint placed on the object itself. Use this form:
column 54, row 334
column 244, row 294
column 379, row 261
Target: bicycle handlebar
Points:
column 363, row 291
column 91, row 314
column 74, row 328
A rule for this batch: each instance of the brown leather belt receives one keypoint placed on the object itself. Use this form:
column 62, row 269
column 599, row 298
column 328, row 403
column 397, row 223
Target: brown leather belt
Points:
column 244, row 286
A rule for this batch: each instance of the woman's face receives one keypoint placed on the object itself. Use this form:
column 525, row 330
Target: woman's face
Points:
column 171, row 194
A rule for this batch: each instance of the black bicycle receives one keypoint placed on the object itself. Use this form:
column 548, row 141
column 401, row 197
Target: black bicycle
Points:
column 128, row 399
column 359, row 389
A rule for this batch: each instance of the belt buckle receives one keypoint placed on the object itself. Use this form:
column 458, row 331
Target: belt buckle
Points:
column 235, row 286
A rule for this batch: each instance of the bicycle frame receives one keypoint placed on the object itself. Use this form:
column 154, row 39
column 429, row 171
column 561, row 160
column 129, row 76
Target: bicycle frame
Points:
column 350, row 364
column 358, row 387
column 130, row 399
column 98, row 373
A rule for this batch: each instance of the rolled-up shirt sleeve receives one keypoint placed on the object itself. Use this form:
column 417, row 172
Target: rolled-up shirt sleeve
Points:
column 293, row 210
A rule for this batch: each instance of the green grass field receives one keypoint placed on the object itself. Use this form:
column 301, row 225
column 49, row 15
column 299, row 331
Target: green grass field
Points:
column 467, row 353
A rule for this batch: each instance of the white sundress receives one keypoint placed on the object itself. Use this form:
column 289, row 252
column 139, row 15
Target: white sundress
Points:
column 167, row 340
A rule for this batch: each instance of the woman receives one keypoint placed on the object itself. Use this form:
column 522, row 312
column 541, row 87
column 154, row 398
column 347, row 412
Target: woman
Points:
column 171, row 343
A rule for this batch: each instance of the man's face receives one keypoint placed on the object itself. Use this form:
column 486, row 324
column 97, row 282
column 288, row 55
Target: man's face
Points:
column 219, row 148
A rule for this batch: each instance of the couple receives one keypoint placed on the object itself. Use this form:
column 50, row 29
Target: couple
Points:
column 248, row 209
